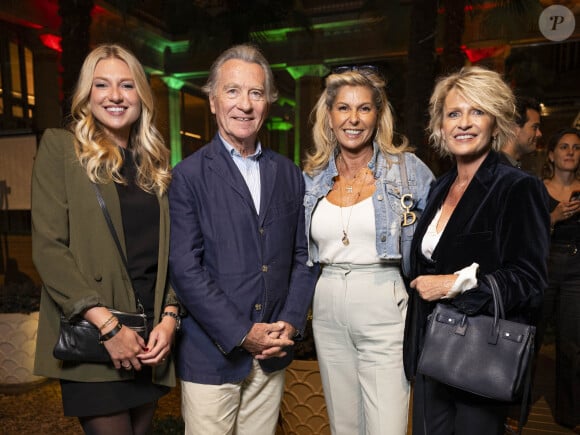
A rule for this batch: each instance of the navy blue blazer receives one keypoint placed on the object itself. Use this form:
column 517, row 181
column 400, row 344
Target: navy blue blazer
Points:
column 502, row 223
column 231, row 266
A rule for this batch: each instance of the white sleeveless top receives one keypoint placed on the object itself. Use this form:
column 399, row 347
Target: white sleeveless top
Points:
column 328, row 223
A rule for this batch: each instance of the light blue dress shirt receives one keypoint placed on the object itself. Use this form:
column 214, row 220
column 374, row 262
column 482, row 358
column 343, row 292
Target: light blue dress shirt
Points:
column 249, row 168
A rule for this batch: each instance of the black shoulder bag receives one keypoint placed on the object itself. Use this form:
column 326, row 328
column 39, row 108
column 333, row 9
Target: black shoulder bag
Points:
column 79, row 340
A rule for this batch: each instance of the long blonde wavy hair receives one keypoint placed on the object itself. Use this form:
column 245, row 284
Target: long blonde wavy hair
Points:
column 325, row 142
column 97, row 153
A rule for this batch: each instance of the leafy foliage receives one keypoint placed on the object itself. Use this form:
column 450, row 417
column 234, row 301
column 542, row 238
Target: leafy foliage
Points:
column 19, row 297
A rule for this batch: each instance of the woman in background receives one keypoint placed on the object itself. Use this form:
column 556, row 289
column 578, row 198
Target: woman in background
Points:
column 354, row 209
column 111, row 142
column 562, row 299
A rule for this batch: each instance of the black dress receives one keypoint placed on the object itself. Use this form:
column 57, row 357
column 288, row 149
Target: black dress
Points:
column 140, row 213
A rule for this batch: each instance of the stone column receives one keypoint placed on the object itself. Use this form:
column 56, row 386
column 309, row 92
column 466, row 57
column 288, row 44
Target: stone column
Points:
column 172, row 111
column 308, row 88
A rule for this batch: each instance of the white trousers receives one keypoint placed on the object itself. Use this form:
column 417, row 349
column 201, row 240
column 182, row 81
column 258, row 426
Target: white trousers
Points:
column 358, row 321
column 250, row 407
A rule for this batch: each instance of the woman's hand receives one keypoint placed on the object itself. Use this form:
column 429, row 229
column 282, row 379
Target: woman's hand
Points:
column 564, row 210
column 159, row 344
column 433, row 287
column 124, row 348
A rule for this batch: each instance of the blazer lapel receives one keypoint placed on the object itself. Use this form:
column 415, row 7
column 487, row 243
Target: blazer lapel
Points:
column 227, row 171
column 163, row 252
column 268, row 170
column 469, row 203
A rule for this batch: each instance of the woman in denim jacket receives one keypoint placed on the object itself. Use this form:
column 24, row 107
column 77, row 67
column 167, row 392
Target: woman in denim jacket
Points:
column 355, row 205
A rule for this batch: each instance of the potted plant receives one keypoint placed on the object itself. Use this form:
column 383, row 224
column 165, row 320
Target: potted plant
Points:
column 19, row 305
column 303, row 410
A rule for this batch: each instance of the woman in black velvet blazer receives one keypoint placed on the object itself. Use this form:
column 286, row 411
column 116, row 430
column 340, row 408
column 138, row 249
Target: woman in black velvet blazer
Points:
column 482, row 217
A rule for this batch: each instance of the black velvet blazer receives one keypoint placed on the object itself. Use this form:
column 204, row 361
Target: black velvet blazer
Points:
column 502, row 223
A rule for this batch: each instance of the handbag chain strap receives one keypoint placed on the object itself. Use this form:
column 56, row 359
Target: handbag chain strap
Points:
column 407, row 201
column 116, row 239
column 527, row 393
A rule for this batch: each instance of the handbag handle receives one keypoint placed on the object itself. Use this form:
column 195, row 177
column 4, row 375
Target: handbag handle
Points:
column 116, row 239
column 498, row 310
column 527, row 392
column 497, row 300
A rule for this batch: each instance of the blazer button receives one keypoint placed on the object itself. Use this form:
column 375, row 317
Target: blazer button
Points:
column 261, row 230
column 98, row 278
column 264, row 268
column 258, row 307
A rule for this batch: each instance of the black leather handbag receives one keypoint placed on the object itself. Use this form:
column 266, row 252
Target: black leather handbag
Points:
column 79, row 340
column 484, row 355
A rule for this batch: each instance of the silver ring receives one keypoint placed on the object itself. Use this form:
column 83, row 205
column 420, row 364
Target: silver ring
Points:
column 126, row 366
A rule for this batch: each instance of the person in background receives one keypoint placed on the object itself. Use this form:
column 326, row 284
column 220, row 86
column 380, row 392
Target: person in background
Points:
column 354, row 213
column 527, row 132
column 482, row 218
column 238, row 258
column 112, row 142
column 562, row 299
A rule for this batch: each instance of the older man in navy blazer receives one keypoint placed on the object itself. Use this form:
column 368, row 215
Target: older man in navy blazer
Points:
column 238, row 258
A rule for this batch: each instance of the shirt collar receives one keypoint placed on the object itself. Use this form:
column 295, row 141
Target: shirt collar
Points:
column 234, row 152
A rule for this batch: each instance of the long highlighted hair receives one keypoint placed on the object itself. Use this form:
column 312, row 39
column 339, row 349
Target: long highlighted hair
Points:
column 325, row 143
column 97, row 153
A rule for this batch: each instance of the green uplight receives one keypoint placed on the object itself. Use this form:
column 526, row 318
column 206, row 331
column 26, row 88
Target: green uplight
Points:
column 281, row 35
column 307, row 70
column 282, row 101
column 173, row 83
column 277, row 123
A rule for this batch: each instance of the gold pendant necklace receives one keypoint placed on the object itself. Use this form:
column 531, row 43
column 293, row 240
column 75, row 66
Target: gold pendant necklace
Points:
column 345, row 240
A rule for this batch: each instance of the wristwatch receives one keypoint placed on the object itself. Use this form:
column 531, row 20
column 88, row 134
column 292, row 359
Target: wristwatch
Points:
column 175, row 316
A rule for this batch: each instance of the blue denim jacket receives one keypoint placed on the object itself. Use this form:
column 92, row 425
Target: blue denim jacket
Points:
column 386, row 199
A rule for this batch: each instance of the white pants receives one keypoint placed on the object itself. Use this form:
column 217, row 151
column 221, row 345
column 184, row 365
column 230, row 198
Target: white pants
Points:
column 358, row 321
column 250, row 407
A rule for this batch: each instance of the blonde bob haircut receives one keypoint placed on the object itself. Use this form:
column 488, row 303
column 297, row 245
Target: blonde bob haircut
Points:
column 247, row 53
column 484, row 89
column 97, row 153
column 325, row 143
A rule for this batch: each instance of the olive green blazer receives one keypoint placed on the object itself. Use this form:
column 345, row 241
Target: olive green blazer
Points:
column 77, row 259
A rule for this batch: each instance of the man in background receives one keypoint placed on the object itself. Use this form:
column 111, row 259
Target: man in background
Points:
column 527, row 132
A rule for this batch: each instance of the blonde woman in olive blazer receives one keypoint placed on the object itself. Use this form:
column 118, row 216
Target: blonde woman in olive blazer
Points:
column 89, row 270
column 112, row 143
